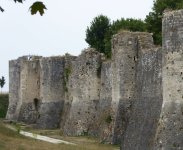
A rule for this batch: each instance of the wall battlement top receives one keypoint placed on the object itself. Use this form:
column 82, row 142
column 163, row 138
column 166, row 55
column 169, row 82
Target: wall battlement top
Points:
column 34, row 57
column 124, row 32
column 88, row 50
column 127, row 39
column 172, row 13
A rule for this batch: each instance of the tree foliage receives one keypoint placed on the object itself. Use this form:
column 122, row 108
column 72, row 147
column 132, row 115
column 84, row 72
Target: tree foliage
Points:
column 95, row 33
column 67, row 54
column 153, row 23
column 101, row 30
column 36, row 6
column 2, row 83
column 125, row 24
column 129, row 24
column 99, row 34
column 20, row 1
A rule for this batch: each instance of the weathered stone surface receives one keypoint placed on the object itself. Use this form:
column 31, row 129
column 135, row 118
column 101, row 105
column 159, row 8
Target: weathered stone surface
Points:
column 49, row 115
column 139, row 90
column 29, row 90
column 28, row 113
column 169, row 130
column 85, row 95
column 14, row 87
column 17, row 77
column 146, row 105
column 52, row 92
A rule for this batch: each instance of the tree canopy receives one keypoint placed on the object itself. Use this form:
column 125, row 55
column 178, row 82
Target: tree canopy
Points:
column 2, row 83
column 101, row 30
column 36, row 6
column 126, row 24
column 95, row 33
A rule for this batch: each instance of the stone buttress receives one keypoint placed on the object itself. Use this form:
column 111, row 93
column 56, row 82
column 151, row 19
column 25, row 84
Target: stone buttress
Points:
column 146, row 104
column 169, row 134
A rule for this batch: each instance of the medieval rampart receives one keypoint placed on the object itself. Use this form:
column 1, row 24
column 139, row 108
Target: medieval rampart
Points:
column 134, row 99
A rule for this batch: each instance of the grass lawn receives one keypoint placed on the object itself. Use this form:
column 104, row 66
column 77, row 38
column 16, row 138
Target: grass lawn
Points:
column 4, row 101
column 11, row 140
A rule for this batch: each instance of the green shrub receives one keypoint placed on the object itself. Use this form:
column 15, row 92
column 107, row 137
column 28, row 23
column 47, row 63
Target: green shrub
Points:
column 108, row 119
column 19, row 127
column 35, row 136
column 66, row 89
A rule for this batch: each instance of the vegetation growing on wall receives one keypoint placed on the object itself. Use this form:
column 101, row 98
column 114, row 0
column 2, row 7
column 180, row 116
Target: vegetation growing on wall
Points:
column 34, row 58
column 108, row 119
column 64, row 82
column 67, row 72
column 65, row 89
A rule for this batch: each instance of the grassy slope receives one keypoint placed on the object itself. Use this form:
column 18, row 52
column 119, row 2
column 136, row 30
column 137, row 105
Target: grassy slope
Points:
column 11, row 140
column 4, row 100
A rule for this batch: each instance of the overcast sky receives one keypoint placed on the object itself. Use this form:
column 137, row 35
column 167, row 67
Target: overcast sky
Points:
column 60, row 30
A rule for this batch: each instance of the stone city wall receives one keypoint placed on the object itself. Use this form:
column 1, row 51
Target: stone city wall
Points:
column 134, row 99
